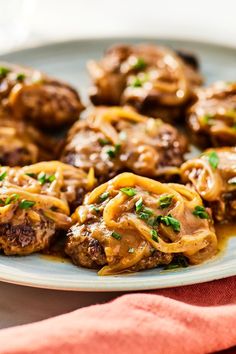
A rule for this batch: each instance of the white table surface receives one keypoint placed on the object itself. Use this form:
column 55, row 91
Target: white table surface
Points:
column 41, row 21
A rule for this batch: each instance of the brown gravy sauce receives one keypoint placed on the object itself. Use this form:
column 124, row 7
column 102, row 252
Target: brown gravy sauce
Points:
column 56, row 252
column 224, row 232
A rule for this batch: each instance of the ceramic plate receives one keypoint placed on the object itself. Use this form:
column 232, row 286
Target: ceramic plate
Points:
column 67, row 61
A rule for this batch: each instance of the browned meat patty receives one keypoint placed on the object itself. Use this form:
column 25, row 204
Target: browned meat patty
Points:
column 22, row 144
column 213, row 175
column 35, row 204
column 116, row 139
column 212, row 118
column 132, row 223
column 157, row 81
column 33, row 96
column 27, row 237
column 88, row 252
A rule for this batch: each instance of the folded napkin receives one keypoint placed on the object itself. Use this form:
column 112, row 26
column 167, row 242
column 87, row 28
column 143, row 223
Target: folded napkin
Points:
column 191, row 319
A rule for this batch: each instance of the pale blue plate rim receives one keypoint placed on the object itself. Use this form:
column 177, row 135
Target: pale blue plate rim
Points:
column 36, row 271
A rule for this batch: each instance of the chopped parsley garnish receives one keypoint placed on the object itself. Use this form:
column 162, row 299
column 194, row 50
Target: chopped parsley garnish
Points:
column 3, row 175
column 213, row 159
column 116, row 235
column 201, row 212
column 12, row 198
column 114, row 151
column 139, row 205
column 148, row 211
column 165, row 201
column 131, row 250
column 104, row 196
column 136, row 82
column 206, row 118
column 140, row 64
column 139, row 80
column 4, row 71
column 154, row 235
column 169, row 220
column 43, row 178
column 103, row 142
column 26, row 204
column 33, row 175
column 94, row 208
column 153, row 221
column 20, row 77
column 145, row 214
column 128, row 191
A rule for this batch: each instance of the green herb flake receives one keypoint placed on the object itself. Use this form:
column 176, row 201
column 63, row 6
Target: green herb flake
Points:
column 148, row 211
column 153, row 221
column 20, row 77
column 201, row 212
column 3, row 175
column 33, row 175
column 26, row 204
column 136, row 82
column 139, row 205
column 116, row 235
column 165, row 201
column 43, row 178
column 12, row 198
column 131, row 250
column 103, row 142
column 94, row 208
column 139, row 64
column 143, row 216
column 169, row 220
column 213, row 159
column 114, row 151
column 104, row 196
column 51, row 178
column 130, row 192
column 206, row 118
column 154, row 235
column 4, row 71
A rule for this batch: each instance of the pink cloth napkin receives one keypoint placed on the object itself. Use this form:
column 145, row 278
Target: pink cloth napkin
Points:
column 192, row 319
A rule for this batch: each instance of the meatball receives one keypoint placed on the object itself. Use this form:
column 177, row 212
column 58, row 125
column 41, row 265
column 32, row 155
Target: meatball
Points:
column 212, row 118
column 133, row 223
column 213, row 175
column 22, row 144
column 35, row 97
column 116, row 139
column 155, row 80
column 35, row 204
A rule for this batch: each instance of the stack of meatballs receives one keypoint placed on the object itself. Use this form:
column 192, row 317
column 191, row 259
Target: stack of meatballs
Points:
column 147, row 104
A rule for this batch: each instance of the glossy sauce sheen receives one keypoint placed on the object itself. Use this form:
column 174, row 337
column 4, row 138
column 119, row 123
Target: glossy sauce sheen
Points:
column 223, row 232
